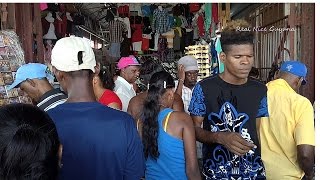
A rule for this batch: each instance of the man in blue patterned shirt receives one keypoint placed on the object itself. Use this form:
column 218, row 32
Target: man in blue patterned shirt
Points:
column 229, row 106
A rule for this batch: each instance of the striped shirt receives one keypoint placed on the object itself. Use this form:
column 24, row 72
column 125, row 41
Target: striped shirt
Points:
column 51, row 99
column 116, row 29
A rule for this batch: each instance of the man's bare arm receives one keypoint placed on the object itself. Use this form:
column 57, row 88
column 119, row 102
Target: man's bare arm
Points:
column 306, row 159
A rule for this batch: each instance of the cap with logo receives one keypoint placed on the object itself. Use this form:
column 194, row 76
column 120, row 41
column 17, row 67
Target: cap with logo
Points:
column 30, row 71
column 127, row 61
column 189, row 63
column 296, row 68
column 65, row 55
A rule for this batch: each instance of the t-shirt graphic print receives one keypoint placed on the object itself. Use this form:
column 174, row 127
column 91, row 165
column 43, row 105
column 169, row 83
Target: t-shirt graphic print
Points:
column 230, row 108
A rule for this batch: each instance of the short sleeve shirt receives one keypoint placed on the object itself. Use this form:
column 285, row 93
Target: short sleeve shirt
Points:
column 230, row 108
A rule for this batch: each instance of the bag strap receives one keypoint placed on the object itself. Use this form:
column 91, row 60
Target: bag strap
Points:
column 166, row 121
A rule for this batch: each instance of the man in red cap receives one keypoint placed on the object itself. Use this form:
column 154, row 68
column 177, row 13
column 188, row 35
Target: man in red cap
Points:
column 129, row 72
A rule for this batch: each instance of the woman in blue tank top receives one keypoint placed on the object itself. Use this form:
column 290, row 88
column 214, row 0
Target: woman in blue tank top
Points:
column 168, row 136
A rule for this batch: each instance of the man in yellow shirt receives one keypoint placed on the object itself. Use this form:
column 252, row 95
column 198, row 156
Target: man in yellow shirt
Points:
column 287, row 135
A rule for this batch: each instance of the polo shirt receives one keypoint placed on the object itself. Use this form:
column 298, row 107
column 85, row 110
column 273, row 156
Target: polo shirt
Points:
column 290, row 123
column 125, row 91
column 52, row 99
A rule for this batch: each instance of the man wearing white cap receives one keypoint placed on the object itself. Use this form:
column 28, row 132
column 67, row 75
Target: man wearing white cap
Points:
column 188, row 76
column 129, row 72
column 87, row 129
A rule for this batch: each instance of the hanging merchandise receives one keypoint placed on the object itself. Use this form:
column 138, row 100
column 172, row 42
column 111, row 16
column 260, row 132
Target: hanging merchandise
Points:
column 48, row 51
column 146, row 11
column 177, row 38
column 194, row 7
column 12, row 57
column 125, row 48
column 215, row 12
column 208, row 15
column 123, row 11
column 135, row 8
column 78, row 19
column 43, row 6
column 160, row 21
column 219, row 50
column 169, row 35
column 177, row 10
column 202, row 54
column 200, row 24
column 71, row 8
column 162, row 49
column 195, row 27
column 126, row 21
column 136, row 28
column 117, row 28
column 53, row 7
column 214, row 57
column 51, row 32
column 146, row 34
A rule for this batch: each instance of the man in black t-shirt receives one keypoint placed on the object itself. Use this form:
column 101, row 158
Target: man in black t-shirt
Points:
column 228, row 105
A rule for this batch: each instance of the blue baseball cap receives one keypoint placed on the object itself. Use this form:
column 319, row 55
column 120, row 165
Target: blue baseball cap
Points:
column 295, row 67
column 30, row 71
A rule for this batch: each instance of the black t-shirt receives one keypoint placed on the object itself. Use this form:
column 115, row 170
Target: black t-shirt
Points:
column 230, row 108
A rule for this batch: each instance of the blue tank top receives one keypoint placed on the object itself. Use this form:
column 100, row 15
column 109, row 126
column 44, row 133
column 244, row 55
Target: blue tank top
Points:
column 171, row 162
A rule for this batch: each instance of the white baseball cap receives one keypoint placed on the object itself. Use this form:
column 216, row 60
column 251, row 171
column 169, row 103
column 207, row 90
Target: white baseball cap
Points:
column 189, row 63
column 65, row 55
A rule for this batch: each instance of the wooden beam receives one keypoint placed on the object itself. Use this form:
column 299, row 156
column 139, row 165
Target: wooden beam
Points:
column 4, row 15
column 11, row 24
column 291, row 22
column 38, row 33
column 308, row 48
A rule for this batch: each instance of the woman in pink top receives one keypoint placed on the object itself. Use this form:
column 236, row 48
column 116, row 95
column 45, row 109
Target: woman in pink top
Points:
column 103, row 85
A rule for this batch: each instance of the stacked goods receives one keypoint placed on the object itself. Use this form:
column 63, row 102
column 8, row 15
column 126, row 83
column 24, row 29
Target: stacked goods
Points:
column 202, row 54
column 11, row 58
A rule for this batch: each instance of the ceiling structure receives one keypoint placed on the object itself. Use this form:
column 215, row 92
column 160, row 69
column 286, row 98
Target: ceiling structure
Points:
column 98, row 11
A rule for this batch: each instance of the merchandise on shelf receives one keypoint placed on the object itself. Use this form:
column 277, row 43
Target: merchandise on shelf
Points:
column 202, row 54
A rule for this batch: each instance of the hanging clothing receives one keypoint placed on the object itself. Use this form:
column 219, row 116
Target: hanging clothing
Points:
column 146, row 11
column 145, row 42
column 177, row 38
column 114, row 50
column 135, row 7
column 195, row 29
column 116, row 28
column 160, row 21
column 136, row 46
column 208, row 15
column 200, row 23
column 177, row 21
column 125, row 47
column 219, row 50
column 124, row 11
column 126, row 21
column 169, row 35
column 137, row 32
column 215, row 12
column 146, row 34
column 184, row 23
column 61, row 27
column 156, row 41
